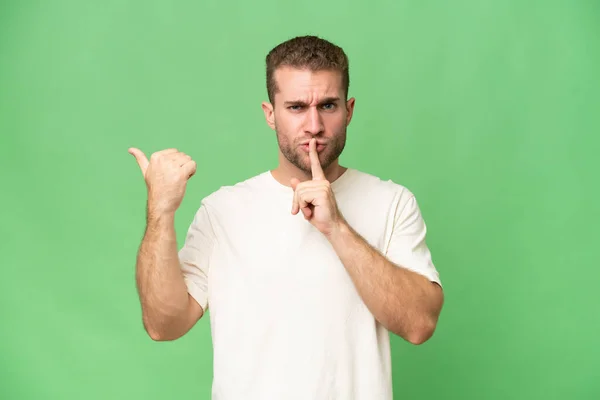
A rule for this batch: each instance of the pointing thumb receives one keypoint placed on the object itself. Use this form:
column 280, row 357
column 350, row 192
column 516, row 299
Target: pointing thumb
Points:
column 140, row 157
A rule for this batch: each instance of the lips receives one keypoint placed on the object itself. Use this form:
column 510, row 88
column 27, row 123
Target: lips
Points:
column 306, row 147
column 308, row 142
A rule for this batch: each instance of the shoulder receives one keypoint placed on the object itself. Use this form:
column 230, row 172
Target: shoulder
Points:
column 394, row 199
column 235, row 194
column 379, row 186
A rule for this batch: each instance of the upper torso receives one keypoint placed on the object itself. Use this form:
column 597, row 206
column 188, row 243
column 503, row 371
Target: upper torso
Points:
column 286, row 319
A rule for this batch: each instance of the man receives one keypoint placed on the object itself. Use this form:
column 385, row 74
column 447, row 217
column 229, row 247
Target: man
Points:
column 307, row 267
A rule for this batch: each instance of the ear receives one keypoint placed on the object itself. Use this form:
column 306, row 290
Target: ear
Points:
column 269, row 114
column 350, row 110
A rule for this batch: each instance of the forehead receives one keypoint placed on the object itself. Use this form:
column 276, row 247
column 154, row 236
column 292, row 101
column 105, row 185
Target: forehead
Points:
column 307, row 84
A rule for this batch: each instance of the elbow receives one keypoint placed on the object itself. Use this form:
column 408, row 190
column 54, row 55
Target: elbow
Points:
column 156, row 334
column 159, row 336
column 419, row 337
column 422, row 332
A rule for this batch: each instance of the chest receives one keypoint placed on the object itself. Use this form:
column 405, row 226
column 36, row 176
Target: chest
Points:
column 268, row 259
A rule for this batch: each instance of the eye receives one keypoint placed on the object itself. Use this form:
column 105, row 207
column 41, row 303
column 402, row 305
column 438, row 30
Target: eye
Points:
column 294, row 107
column 328, row 106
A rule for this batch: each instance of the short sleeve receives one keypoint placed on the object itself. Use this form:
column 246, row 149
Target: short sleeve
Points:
column 195, row 255
column 407, row 247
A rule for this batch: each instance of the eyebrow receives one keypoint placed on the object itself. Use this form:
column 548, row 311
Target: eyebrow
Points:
column 326, row 100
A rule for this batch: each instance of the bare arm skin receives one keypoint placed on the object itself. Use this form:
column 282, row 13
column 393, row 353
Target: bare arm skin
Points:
column 168, row 311
column 405, row 302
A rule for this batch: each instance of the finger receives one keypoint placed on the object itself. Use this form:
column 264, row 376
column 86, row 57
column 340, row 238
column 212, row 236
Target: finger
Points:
column 307, row 212
column 306, row 200
column 295, row 207
column 304, row 206
column 294, row 182
column 166, row 154
column 141, row 159
column 167, row 151
column 189, row 168
column 181, row 158
column 317, row 171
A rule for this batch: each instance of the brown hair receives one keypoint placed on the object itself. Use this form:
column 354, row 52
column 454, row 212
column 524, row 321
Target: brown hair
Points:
column 306, row 52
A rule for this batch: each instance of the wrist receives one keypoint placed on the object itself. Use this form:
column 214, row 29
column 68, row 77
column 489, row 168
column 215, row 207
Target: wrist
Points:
column 159, row 217
column 339, row 230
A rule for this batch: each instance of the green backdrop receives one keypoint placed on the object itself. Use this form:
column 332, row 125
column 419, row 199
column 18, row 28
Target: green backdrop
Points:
column 488, row 111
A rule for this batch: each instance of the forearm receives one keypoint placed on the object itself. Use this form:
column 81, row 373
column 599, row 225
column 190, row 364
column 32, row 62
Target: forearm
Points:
column 405, row 302
column 161, row 287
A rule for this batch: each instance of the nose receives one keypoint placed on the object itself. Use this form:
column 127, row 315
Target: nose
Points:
column 314, row 122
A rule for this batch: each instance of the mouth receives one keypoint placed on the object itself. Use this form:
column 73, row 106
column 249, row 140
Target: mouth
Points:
column 306, row 147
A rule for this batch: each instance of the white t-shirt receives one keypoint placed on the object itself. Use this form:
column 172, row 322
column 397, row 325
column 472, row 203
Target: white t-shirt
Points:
column 286, row 319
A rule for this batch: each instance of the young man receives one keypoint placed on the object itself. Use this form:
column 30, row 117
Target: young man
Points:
column 307, row 267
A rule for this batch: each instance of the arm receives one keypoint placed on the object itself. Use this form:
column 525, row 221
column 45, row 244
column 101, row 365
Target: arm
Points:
column 168, row 311
column 167, row 282
column 405, row 302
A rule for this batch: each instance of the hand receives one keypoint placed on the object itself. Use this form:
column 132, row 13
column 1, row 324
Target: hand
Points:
column 166, row 176
column 315, row 197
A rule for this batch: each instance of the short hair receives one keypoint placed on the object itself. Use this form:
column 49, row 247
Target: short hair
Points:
column 306, row 52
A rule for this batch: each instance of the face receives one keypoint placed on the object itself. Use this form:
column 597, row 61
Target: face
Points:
column 309, row 104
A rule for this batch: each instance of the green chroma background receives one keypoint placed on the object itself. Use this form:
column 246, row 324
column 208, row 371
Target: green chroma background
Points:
column 487, row 110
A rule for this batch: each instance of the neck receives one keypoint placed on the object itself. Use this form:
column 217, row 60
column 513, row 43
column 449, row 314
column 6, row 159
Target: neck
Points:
column 286, row 171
